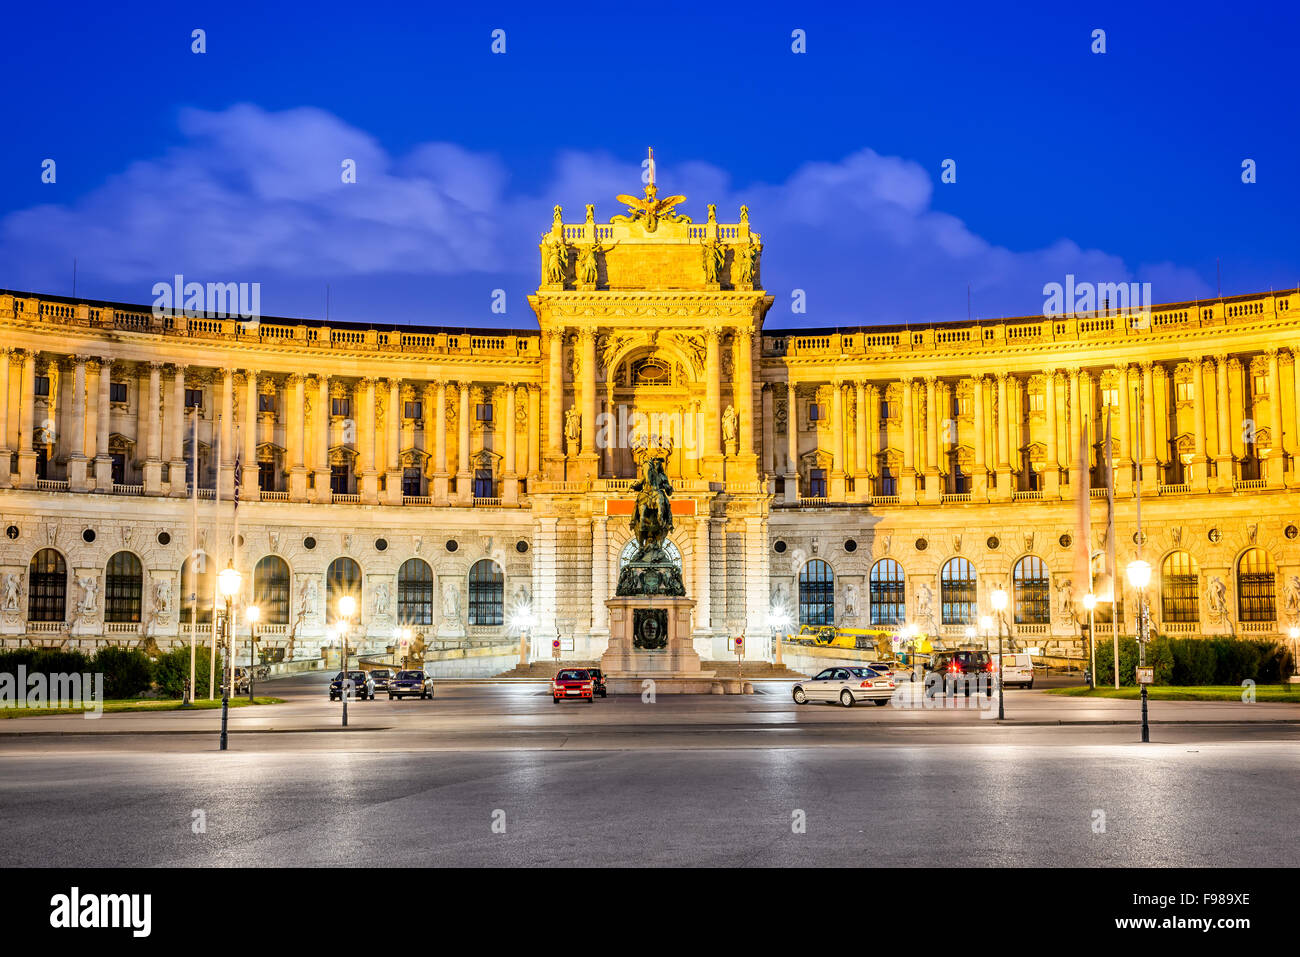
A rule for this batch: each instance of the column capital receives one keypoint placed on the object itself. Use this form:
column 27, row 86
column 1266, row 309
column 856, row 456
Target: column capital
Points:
column 1145, row 365
column 930, row 381
column 82, row 358
column 1002, row 376
column 556, row 334
column 294, row 378
column 745, row 332
column 1271, row 352
column 1221, row 359
column 712, row 336
column 156, row 365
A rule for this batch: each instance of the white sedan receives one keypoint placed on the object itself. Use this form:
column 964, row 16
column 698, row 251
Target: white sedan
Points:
column 847, row 685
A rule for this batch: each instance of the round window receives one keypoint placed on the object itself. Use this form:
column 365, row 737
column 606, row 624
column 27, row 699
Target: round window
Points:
column 164, row 538
column 521, row 546
column 12, row 531
column 922, row 544
column 381, row 544
column 451, row 545
column 993, row 542
column 778, row 546
column 88, row 535
column 309, row 543
column 851, row 545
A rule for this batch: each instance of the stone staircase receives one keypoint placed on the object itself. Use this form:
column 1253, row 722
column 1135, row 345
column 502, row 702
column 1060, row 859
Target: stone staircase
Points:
column 753, row 670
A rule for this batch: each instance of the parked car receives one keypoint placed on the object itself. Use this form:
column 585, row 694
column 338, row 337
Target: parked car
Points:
column 573, row 683
column 847, row 685
column 598, row 682
column 1018, row 670
column 382, row 677
column 361, row 686
column 952, row 665
column 410, row 684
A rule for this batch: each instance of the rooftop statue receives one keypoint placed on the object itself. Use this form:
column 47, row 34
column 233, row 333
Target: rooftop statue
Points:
column 651, row 209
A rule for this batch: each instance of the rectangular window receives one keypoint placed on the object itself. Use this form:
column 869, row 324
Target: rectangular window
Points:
column 119, row 468
column 266, row 402
column 483, row 485
column 885, row 409
column 43, row 385
column 412, row 482
column 1186, row 391
column 42, row 463
column 117, row 392
column 483, row 412
column 1260, row 381
column 1109, row 397
column 1037, row 401
column 193, row 398
column 341, row 405
column 266, row 476
column 339, row 483
column 817, row 483
column 888, row 484
column 413, row 410
column 814, row 412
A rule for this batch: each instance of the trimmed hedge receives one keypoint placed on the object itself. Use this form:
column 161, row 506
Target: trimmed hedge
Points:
column 128, row 672
column 1198, row 661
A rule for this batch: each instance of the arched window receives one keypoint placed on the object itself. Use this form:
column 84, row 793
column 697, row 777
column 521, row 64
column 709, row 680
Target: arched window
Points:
column 123, row 585
column 1033, row 596
column 816, row 594
column 342, row 578
column 486, row 593
column 197, row 591
column 47, row 586
column 1256, row 575
column 888, row 595
column 957, row 592
column 671, row 550
column 1179, row 588
column 271, row 590
column 415, row 593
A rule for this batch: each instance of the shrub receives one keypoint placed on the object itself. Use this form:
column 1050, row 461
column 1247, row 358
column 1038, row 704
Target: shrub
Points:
column 127, row 671
column 47, row 661
column 1197, row 661
column 172, row 670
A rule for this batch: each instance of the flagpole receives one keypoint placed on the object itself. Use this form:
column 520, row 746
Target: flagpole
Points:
column 1110, row 545
column 234, row 548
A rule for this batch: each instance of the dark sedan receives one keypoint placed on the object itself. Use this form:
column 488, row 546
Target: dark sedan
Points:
column 411, row 684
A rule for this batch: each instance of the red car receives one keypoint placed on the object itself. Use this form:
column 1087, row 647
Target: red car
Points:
column 573, row 683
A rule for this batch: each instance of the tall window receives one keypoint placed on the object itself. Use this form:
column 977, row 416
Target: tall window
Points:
column 957, row 592
column 266, row 473
column 483, row 411
column 340, row 483
column 486, row 593
column 271, row 589
column 193, row 398
column 198, row 589
column 342, row 578
column 47, row 586
column 886, row 484
column 415, row 593
column 341, row 405
column 816, row 483
column 1179, row 588
column 816, row 594
column 123, row 585
column 1033, row 596
column 1256, row 578
column 484, row 487
column 117, row 392
column 413, row 410
column 888, row 595
column 412, row 482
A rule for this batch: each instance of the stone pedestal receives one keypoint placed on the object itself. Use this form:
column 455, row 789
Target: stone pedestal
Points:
column 674, row 667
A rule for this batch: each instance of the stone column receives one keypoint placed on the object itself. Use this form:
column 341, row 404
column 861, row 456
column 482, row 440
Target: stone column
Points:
column 6, row 358
column 393, row 445
column 1003, row 460
column 249, row 488
column 1124, row 460
column 860, row 430
column 768, row 399
column 1148, row 407
column 1200, row 481
column 103, row 421
column 150, row 421
column 78, row 477
column 837, row 441
column 980, row 484
column 176, row 441
column 464, row 485
column 510, row 473
column 908, row 479
column 1274, row 473
column 533, row 467
column 587, row 348
column 555, row 400
column 366, row 434
column 713, row 398
column 440, row 445
column 599, row 579
column 744, row 389
column 1295, row 413
column 933, row 485
column 1052, row 470
column 700, row 562
column 1223, row 448
column 321, row 460
column 791, row 443
column 1074, row 433
column 872, row 451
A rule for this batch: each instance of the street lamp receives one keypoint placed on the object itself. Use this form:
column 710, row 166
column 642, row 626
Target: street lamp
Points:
column 228, row 581
column 999, row 601
column 404, row 641
column 523, row 620
column 986, row 625
column 1295, row 645
column 780, row 621
column 1090, row 603
column 347, row 608
column 252, row 613
column 1139, row 576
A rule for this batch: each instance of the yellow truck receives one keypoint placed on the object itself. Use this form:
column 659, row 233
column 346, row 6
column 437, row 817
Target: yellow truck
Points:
column 828, row 636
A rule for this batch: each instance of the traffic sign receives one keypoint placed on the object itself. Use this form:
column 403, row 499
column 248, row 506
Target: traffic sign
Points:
column 1146, row 676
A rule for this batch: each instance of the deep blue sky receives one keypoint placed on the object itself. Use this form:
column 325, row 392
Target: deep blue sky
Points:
column 224, row 166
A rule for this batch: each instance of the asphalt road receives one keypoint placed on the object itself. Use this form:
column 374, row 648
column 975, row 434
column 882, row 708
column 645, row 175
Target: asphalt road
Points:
column 498, row 775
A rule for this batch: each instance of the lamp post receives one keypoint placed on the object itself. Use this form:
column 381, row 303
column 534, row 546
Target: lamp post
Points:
column 1139, row 576
column 228, row 581
column 347, row 608
column 403, row 642
column 999, row 601
column 252, row 613
column 1295, row 645
column 986, row 625
column 523, row 620
column 970, row 634
column 1090, row 603
column 780, row 621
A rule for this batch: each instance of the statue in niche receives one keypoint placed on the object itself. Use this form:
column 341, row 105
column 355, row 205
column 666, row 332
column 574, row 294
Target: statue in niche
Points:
column 745, row 261
column 1216, row 599
column 572, row 428
column 450, row 602
column 729, row 429
column 589, row 262
column 381, row 601
column 713, row 255
column 89, row 589
column 13, row 592
column 557, row 260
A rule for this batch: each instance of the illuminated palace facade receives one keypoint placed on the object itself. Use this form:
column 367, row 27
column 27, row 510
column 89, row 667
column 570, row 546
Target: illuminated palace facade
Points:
column 468, row 484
